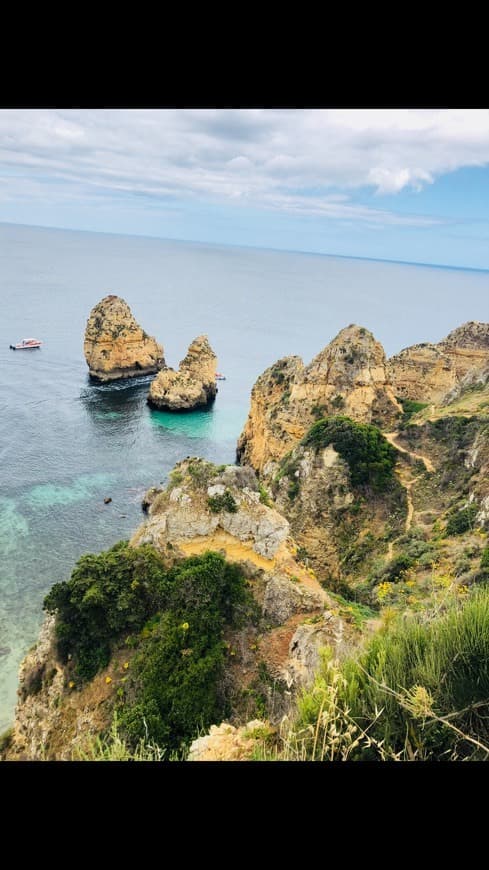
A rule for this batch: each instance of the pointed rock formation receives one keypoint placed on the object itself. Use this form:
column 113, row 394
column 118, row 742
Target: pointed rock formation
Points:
column 115, row 345
column 428, row 372
column 348, row 377
column 192, row 386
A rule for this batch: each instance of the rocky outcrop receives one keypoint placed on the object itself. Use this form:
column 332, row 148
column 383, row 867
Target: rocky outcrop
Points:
column 348, row 377
column 337, row 525
column 430, row 372
column 204, row 505
column 226, row 743
column 55, row 717
column 474, row 380
column 116, row 346
column 192, row 386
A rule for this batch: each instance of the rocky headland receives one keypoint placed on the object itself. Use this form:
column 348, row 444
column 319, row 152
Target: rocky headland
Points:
column 248, row 595
column 431, row 372
column 116, row 346
column 349, row 376
column 193, row 386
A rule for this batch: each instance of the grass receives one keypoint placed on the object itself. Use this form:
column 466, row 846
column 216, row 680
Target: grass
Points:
column 419, row 691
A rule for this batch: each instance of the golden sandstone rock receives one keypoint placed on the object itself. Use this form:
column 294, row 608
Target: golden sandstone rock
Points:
column 116, row 346
column 192, row 386
column 428, row 372
column 348, row 376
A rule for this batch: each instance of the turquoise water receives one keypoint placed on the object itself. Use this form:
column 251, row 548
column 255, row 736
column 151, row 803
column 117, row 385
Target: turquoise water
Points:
column 66, row 444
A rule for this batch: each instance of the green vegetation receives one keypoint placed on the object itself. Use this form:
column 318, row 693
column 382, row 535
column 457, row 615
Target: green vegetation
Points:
column 108, row 594
column 462, row 520
column 113, row 746
column 224, row 502
column 409, row 408
column 419, row 691
column 175, row 686
column 264, row 496
column 176, row 617
column 201, row 472
column 370, row 457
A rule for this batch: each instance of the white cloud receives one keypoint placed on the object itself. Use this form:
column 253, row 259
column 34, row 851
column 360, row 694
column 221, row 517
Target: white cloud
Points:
column 290, row 160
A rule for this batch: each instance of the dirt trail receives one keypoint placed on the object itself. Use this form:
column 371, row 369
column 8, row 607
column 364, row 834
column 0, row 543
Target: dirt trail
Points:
column 391, row 437
column 406, row 482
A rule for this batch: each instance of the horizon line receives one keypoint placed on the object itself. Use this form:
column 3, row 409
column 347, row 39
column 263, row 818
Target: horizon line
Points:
column 251, row 247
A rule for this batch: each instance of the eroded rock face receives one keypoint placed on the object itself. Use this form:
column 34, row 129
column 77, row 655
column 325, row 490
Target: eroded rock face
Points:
column 184, row 512
column 429, row 372
column 348, row 377
column 116, row 346
column 193, row 386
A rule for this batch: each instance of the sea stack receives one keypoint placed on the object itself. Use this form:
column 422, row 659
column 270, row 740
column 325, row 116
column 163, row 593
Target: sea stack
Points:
column 116, row 346
column 193, row 386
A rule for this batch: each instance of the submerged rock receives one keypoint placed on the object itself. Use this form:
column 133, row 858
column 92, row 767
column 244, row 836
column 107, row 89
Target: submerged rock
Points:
column 116, row 346
column 193, row 386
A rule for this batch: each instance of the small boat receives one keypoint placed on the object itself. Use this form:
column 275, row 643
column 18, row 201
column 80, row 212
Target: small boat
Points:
column 26, row 344
column 220, row 377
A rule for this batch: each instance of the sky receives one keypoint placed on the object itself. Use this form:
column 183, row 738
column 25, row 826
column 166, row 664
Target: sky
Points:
column 394, row 184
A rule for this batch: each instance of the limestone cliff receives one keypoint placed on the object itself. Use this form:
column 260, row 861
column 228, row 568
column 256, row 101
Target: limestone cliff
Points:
column 347, row 377
column 205, row 507
column 116, row 346
column 339, row 526
column 429, row 372
column 192, row 386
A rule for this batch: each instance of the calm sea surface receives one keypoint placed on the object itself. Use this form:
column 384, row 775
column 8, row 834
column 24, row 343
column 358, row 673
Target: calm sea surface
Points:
column 65, row 443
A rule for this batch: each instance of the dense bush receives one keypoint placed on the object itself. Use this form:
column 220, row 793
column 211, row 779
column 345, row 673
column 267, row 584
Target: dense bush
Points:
column 177, row 616
column 405, row 681
column 108, row 594
column 176, row 678
column 370, row 457
column 224, row 502
column 462, row 520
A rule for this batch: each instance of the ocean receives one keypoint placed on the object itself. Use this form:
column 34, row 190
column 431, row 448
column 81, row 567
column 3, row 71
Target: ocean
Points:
column 66, row 444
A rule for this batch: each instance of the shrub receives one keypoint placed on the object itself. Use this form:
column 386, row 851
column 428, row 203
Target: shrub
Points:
column 409, row 408
column 264, row 496
column 110, row 593
column 175, row 686
column 462, row 520
column 370, row 457
column 406, row 690
column 224, row 502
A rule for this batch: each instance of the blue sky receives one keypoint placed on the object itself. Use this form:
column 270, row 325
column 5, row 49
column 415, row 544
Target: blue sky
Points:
column 406, row 185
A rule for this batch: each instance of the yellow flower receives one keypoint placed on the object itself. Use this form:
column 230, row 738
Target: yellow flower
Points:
column 185, row 626
column 383, row 590
column 108, row 680
column 126, row 665
column 462, row 590
column 71, row 684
